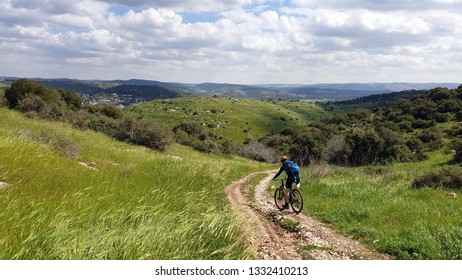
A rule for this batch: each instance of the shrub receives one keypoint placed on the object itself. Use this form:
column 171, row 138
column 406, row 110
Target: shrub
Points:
column 458, row 157
column 144, row 132
column 405, row 126
column 71, row 98
column 455, row 130
column 279, row 143
column 32, row 103
column 63, row 145
column 22, row 88
column 2, row 98
column 366, row 146
column 257, row 151
column 423, row 123
column 109, row 110
column 337, row 151
column 433, row 138
column 448, row 177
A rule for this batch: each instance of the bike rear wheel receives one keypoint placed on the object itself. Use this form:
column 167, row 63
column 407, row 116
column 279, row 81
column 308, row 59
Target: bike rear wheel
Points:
column 279, row 198
column 297, row 201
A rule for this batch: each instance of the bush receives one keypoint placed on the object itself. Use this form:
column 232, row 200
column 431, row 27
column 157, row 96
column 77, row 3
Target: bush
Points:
column 433, row 138
column 32, row 103
column 458, row 157
column 71, row 98
column 257, row 151
column 455, row 130
column 423, row 123
column 108, row 110
column 144, row 132
column 449, row 177
column 2, row 98
column 63, row 145
column 198, row 137
column 366, row 146
column 23, row 88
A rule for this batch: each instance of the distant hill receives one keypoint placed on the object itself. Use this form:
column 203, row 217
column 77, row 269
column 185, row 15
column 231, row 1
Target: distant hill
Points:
column 383, row 99
column 145, row 91
column 137, row 89
column 237, row 120
column 309, row 92
column 384, row 87
column 321, row 92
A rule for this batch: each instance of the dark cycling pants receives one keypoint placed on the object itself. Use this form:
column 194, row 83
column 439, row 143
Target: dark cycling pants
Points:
column 292, row 179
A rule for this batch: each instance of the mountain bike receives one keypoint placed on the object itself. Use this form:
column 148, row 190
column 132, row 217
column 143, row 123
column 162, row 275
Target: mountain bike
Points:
column 295, row 198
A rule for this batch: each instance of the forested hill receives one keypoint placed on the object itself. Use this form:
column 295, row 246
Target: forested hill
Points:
column 149, row 88
column 379, row 100
column 403, row 131
column 144, row 91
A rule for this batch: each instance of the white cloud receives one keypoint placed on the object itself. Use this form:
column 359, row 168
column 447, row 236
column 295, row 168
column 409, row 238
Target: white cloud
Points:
column 247, row 41
column 183, row 5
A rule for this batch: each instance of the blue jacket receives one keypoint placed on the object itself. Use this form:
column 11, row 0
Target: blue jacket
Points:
column 285, row 167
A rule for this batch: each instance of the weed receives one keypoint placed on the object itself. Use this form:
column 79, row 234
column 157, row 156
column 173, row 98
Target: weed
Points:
column 289, row 224
column 312, row 247
column 448, row 177
column 61, row 144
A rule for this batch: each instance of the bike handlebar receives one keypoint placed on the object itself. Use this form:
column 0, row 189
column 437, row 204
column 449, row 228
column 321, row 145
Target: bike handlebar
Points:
column 277, row 179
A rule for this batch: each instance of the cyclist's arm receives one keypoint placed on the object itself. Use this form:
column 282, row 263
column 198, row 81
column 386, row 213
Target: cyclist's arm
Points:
column 279, row 172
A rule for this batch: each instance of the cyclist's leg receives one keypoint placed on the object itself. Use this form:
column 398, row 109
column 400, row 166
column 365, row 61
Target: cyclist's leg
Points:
column 289, row 183
column 297, row 182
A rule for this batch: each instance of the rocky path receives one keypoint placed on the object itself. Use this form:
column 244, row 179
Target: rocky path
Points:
column 271, row 239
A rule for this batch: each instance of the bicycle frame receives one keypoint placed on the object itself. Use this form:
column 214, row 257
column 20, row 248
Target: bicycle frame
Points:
column 295, row 197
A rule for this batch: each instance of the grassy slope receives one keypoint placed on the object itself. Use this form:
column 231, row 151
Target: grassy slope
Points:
column 141, row 204
column 378, row 205
column 234, row 119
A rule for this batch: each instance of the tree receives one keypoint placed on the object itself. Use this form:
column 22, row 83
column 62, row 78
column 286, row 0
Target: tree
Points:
column 308, row 146
column 366, row 146
column 18, row 91
column 71, row 98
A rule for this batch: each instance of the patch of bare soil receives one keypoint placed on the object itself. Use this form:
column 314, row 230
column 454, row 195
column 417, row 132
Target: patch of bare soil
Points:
column 275, row 235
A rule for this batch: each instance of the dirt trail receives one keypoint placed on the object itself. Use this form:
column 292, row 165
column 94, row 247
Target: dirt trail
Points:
column 270, row 241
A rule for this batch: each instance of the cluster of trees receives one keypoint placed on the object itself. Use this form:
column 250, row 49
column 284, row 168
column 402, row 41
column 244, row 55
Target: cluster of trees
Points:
column 402, row 131
column 36, row 100
column 200, row 138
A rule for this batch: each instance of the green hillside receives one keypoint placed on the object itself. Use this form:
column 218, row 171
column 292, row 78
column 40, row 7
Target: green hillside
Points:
column 68, row 194
column 238, row 120
column 381, row 206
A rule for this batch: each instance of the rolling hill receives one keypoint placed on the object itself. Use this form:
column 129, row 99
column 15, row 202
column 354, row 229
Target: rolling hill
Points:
column 319, row 92
column 72, row 194
column 238, row 120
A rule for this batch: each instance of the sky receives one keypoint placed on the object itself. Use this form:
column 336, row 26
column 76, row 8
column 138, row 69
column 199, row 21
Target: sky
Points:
column 233, row 41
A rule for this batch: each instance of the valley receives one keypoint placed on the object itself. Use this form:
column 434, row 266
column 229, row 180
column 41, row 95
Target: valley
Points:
column 97, row 182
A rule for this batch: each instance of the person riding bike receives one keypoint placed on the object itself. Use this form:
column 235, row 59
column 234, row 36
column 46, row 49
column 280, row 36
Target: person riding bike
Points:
column 293, row 176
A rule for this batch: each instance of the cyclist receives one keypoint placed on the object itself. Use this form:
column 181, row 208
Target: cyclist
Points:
column 293, row 176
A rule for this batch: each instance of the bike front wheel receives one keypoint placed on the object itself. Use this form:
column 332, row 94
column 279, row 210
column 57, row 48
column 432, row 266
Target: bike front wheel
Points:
column 297, row 201
column 279, row 198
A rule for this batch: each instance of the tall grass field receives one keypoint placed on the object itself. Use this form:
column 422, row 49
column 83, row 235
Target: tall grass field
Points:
column 379, row 206
column 68, row 194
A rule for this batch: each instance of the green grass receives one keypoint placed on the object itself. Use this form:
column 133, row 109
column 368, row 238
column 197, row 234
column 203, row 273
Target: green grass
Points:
column 235, row 119
column 378, row 205
column 138, row 204
column 251, row 186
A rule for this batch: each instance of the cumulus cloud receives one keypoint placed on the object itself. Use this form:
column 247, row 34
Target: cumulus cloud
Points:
column 385, row 5
column 183, row 5
column 247, row 41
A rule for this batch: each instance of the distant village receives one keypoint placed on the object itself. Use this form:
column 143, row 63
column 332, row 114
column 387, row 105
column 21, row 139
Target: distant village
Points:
column 120, row 100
